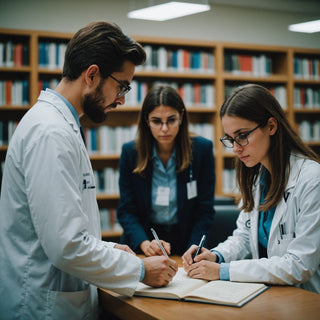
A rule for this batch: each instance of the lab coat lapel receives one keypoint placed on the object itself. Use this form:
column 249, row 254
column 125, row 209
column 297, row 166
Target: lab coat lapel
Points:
column 281, row 209
column 254, row 220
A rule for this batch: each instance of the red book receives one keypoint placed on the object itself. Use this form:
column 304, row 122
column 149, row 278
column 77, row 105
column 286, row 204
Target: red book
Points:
column 17, row 54
column 245, row 62
column 8, row 91
column 197, row 94
column 186, row 57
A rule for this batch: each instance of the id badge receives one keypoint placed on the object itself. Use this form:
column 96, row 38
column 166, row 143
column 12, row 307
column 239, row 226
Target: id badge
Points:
column 162, row 198
column 192, row 189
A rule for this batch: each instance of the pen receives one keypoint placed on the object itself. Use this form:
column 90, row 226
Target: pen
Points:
column 200, row 245
column 159, row 243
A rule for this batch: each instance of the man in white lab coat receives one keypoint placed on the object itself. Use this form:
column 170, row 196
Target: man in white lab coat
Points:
column 52, row 258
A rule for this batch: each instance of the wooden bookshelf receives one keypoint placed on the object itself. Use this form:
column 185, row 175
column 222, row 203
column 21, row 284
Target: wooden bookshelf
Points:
column 280, row 73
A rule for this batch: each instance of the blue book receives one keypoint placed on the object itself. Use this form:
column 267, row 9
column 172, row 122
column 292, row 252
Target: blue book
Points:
column 25, row 92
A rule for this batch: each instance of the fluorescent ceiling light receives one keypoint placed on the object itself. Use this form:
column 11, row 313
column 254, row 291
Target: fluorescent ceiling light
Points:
column 306, row 27
column 168, row 11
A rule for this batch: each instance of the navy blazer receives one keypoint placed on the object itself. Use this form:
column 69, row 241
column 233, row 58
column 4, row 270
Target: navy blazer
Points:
column 195, row 216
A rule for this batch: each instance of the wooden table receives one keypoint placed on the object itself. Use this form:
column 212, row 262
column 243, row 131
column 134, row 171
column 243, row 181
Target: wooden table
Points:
column 278, row 302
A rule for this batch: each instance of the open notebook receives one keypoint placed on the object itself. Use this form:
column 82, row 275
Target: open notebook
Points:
column 185, row 288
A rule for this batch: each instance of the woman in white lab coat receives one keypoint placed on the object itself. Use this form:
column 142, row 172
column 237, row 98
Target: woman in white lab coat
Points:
column 277, row 239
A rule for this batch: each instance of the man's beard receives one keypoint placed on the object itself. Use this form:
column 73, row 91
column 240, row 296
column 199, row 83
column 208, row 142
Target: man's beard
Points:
column 93, row 106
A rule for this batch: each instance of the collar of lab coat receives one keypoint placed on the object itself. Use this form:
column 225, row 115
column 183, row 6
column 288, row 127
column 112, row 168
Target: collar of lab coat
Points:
column 60, row 105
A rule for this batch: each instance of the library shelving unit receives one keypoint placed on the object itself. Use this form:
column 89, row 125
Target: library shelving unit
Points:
column 204, row 72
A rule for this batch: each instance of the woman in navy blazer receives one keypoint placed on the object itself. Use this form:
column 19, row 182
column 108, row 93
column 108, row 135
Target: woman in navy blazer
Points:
column 167, row 179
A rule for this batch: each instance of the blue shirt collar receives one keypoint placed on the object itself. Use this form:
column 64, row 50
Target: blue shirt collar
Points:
column 69, row 105
column 155, row 154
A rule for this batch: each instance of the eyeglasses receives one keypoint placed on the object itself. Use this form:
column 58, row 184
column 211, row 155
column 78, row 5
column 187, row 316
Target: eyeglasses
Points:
column 241, row 139
column 124, row 89
column 157, row 124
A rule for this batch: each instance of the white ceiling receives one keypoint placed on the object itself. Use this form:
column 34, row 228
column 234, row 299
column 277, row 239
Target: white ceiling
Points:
column 299, row 6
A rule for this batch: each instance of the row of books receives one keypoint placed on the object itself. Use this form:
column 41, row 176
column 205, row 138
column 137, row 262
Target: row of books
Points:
column 107, row 180
column 307, row 68
column 279, row 92
column 160, row 58
column 14, row 92
column 250, row 65
column 193, row 94
column 6, row 131
column 109, row 140
column 13, row 54
column 109, row 220
column 205, row 130
column 309, row 131
column 51, row 54
column 306, row 98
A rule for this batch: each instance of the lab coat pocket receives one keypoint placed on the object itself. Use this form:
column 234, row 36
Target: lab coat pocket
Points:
column 283, row 244
column 74, row 304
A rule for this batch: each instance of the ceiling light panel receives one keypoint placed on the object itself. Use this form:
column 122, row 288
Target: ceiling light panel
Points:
column 167, row 11
column 306, row 27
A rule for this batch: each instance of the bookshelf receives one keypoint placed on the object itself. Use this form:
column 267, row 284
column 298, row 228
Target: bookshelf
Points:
column 203, row 72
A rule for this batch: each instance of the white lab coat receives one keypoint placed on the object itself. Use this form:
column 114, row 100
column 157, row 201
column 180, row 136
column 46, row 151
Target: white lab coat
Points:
column 51, row 255
column 294, row 258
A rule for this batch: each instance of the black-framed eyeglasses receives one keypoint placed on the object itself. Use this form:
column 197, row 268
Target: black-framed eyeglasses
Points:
column 170, row 123
column 124, row 89
column 241, row 139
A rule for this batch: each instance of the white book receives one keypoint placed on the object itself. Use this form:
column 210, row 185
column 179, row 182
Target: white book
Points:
column 132, row 95
column 9, row 54
column 297, row 98
column 210, row 93
column 148, row 63
column 221, row 292
column 316, row 131
column 305, row 130
column 61, row 52
column 305, row 68
column 103, row 139
column 281, row 96
column 2, row 48
column 52, row 51
column 162, row 59
column 263, row 65
column 180, row 60
column 2, row 93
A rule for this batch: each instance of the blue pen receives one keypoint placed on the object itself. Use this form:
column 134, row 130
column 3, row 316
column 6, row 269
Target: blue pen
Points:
column 200, row 245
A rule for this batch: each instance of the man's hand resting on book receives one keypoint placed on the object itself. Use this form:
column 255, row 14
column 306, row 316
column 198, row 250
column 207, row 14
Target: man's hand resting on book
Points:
column 159, row 271
column 203, row 266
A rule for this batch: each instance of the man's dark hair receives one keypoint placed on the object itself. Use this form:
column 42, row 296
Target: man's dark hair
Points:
column 103, row 44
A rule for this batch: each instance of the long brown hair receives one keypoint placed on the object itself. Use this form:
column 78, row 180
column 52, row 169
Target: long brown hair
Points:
column 156, row 96
column 257, row 104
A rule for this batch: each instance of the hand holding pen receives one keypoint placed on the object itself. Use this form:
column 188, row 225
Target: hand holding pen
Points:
column 159, row 242
column 200, row 246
